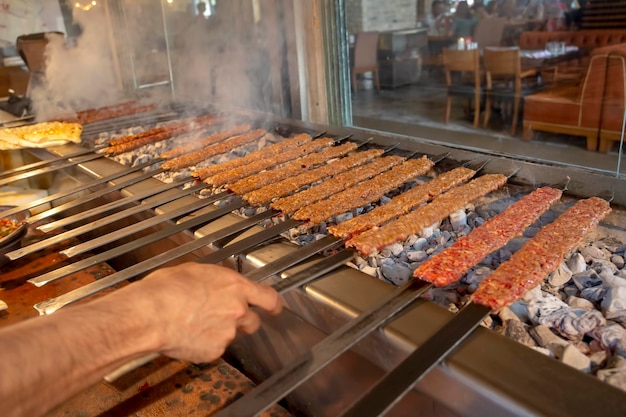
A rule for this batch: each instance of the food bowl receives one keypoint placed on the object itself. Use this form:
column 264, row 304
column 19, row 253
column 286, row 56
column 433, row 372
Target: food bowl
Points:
column 13, row 239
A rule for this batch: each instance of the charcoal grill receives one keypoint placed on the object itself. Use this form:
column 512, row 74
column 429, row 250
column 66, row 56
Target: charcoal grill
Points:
column 486, row 375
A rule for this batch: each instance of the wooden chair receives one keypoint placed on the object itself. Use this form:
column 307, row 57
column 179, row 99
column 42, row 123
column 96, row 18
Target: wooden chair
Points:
column 365, row 57
column 467, row 62
column 503, row 65
column 489, row 31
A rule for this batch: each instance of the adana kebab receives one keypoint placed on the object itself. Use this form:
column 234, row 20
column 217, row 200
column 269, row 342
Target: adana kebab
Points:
column 235, row 174
column 206, row 141
column 336, row 184
column 402, row 203
column 454, row 261
column 398, row 230
column 539, row 256
column 254, row 182
column 161, row 129
column 209, row 151
column 364, row 193
column 282, row 188
column 290, row 376
column 267, row 152
column 167, row 133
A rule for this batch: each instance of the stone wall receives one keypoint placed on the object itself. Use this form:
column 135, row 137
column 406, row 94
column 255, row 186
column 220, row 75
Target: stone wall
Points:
column 375, row 15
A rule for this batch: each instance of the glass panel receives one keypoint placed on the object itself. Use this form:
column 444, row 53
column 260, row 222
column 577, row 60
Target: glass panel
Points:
column 561, row 111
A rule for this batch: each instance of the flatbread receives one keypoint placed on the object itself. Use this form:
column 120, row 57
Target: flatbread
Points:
column 40, row 135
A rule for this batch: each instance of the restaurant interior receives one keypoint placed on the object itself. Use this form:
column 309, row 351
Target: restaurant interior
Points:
column 432, row 70
column 530, row 94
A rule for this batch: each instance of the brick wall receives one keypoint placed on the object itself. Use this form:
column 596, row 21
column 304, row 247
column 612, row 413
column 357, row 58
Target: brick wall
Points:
column 375, row 15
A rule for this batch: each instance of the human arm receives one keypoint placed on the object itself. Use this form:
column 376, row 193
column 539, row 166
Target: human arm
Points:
column 190, row 312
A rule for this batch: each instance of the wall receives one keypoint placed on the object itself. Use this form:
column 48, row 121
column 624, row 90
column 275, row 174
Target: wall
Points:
column 375, row 15
column 20, row 17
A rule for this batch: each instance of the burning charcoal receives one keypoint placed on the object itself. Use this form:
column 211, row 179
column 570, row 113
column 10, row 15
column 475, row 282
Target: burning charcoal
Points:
column 443, row 238
column 520, row 309
column 614, row 304
column 534, row 294
column 399, row 274
column 592, row 253
column 518, row 331
column 587, row 279
column 576, row 263
column 360, row 261
column 543, row 350
column 417, row 255
column 593, row 294
column 343, row 217
column 577, row 302
column 410, row 241
column 385, row 253
column 614, row 376
column 531, row 231
column 458, row 219
column 384, row 200
column 570, row 290
column 604, row 268
column 419, row 243
column 432, row 230
column 396, row 249
column 507, row 314
column 545, row 338
column 369, row 271
column 572, row 323
column 125, row 159
column 598, row 359
column 475, row 220
column 618, row 261
column 559, row 277
column 476, row 275
column 574, row 358
column 442, row 296
column 249, row 211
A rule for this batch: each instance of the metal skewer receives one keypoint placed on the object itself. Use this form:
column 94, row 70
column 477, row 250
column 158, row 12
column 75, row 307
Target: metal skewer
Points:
column 110, row 237
column 74, row 190
column 45, row 162
column 392, row 387
column 53, row 304
column 44, row 170
column 94, row 195
column 153, row 202
column 297, row 372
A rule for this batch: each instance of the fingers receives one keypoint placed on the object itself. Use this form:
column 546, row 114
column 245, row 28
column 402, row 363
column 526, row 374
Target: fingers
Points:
column 249, row 323
column 264, row 297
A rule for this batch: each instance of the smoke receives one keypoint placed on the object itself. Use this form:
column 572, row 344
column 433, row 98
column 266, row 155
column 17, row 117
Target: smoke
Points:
column 77, row 77
column 137, row 49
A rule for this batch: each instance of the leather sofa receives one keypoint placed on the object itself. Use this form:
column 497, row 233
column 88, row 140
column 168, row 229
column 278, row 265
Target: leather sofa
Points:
column 575, row 109
column 614, row 99
column 584, row 39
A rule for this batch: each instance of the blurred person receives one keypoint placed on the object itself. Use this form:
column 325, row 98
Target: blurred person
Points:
column 464, row 21
column 555, row 14
column 190, row 312
column 436, row 19
column 492, row 8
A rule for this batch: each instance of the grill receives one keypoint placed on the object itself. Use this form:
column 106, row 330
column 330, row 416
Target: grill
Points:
column 486, row 374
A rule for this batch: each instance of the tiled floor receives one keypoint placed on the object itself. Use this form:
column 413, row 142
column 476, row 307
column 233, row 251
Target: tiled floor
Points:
column 418, row 110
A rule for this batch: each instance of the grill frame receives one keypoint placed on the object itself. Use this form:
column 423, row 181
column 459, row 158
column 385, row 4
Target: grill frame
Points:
column 475, row 379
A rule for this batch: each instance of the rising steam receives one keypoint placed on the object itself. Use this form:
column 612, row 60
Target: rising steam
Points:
column 210, row 61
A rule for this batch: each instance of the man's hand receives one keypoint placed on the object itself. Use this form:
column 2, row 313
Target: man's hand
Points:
column 195, row 310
